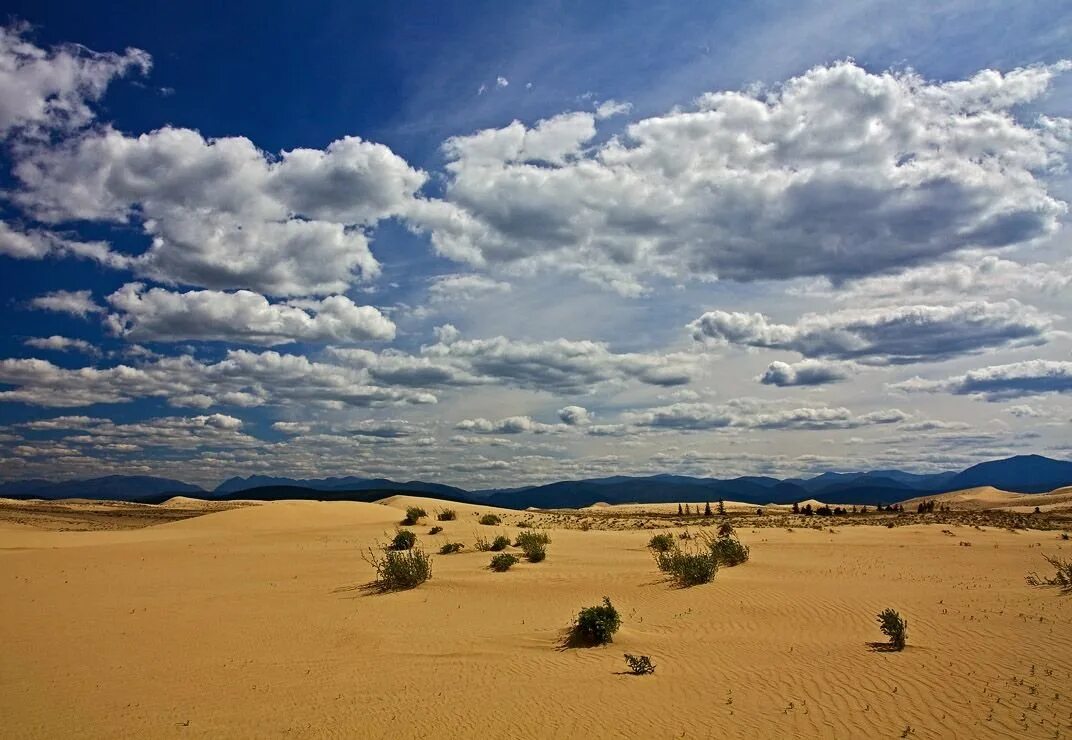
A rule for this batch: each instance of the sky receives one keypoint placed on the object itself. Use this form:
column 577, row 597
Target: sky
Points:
column 498, row 244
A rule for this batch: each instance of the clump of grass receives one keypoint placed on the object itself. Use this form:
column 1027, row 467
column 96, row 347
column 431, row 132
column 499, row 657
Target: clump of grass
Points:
column 727, row 551
column 1064, row 535
column 503, row 561
column 446, row 515
column 526, row 524
column 450, row 548
column 640, row 665
column 534, row 545
column 661, row 542
column 399, row 570
column 687, row 568
column 490, row 520
column 895, row 627
column 596, row 625
column 435, row 530
column 403, row 540
column 1062, row 578
column 413, row 515
column 499, row 543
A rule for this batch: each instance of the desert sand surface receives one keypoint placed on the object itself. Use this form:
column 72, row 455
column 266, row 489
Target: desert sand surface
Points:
column 250, row 622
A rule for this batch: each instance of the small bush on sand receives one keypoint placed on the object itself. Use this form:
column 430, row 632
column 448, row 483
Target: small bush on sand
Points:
column 526, row 524
column 725, row 530
column 688, row 568
column 727, row 551
column 413, row 515
column 400, row 570
column 502, row 562
column 403, row 540
column 1064, row 535
column 661, row 542
column 450, row 548
column 435, row 530
column 500, row 543
column 447, row 515
column 1062, row 579
column 534, row 545
column 490, row 520
column 596, row 625
column 639, row 664
column 894, row 627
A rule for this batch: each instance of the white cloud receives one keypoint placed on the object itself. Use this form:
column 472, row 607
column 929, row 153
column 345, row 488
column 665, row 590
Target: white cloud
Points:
column 447, row 288
column 752, row 415
column 75, row 302
column 161, row 315
column 62, row 344
column 51, row 89
column 611, row 108
column 1000, row 382
column 838, row 173
column 879, row 336
column 509, row 425
column 220, row 212
column 806, row 373
column 501, row 82
column 574, row 416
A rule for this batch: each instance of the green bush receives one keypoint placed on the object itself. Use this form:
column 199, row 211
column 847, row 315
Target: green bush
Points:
column 596, row 625
column 490, row 520
column 413, row 515
column 447, row 515
column 451, row 548
column 502, row 562
column 500, row 543
column 639, row 664
column 725, row 530
column 399, row 570
column 403, row 540
column 727, row 551
column 526, row 524
column 687, row 568
column 524, row 539
column 894, row 627
column 661, row 542
column 435, row 530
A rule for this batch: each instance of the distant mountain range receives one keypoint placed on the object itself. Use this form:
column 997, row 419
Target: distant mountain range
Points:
column 1021, row 474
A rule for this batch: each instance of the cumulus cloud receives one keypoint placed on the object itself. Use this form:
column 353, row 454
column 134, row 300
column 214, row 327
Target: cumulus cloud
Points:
column 805, row 372
column 752, row 415
column 838, row 172
column 509, row 425
column 1000, row 382
column 62, row 344
column 879, row 336
column 74, row 302
column 447, row 288
column 242, row 379
column 220, row 212
column 43, row 89
column 39, row 243
column 560, row 365
column 574, row 416
column 157, row 314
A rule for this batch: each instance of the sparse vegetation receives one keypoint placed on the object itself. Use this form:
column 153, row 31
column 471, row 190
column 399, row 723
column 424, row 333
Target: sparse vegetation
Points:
column 450, row 548
column 525, row 524
column 413, row 515
column 895, row 627
column 661, row 542
column 447, row 515
column 640, row 665
column 435, row 530
column 502, row 562
column 399, row 570
column 687, row 568
column 490, row 520
column 727, row 551
column 725, row 530
column 596, row 625
column 403, row 540
column 1062, row 578
column 534, row 545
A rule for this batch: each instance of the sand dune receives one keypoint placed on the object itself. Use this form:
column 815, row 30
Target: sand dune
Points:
column 250, row 623
column 988, row 497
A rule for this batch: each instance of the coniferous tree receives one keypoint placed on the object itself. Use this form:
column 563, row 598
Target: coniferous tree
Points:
column 679, row 510
column 707, row 509
column 721, row 507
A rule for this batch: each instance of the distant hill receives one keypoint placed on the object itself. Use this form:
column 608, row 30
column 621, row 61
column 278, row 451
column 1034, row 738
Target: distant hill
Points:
column 112, row 488
column 348, row 483
column 1020, row 474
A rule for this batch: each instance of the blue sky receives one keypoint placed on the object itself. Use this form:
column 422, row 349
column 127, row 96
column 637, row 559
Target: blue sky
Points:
column 494, row 243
